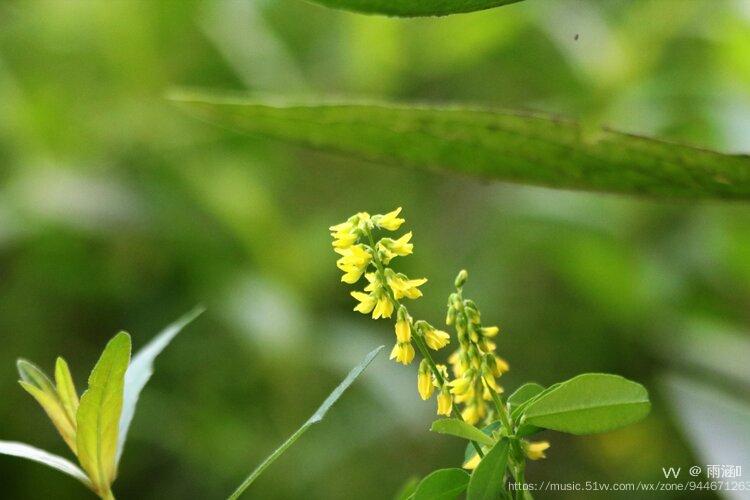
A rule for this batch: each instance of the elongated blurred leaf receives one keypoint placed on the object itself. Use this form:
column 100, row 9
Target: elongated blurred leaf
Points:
column 507, row 146
column 588, row 404
column 66, row 389
column 487, row 480
column 407, row 490
column 140, row 370
column 99, row 413
column 443, row 484
column 459, row 428
column 29, row 452
column 32, row 374
column 315, row 418
column 413, row 8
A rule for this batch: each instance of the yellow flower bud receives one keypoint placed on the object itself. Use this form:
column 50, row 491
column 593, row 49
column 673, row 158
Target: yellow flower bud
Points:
column 490, row 331
column 424, row 383
column 535, row 450
column 461, row 385
column 444, row 402
column 403, row 331
column 366, row 302
column 383, row 307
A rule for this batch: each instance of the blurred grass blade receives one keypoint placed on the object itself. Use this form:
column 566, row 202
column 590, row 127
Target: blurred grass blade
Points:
column 29, row 452
column 140, row 370
column 459, row 428
column 506, row 146
column 66, row 389
column 316, row 417
column 414, row 8
column 99, row 413
column 589, row 404
column 487, row 480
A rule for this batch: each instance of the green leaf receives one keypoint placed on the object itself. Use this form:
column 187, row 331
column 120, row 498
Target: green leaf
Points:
column 407, row 490
column 459, row 428
column 315, row 418
column 99, row 413
column 470, row 451
column 524, row 393
column 22, row 450
column 66, row 389
column 507, row 146
column 443, row 484
column 589, row 403
column 414, row 8
column 487, row 480
column 140, row 370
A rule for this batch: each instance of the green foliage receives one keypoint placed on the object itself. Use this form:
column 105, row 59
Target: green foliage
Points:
column 456, row 427
column 501, row 145
column 524, row 394
column 488, row 479
column 93, row 427
column 412, row 8
column 589, row 403
column 98, row 415
column 408, row 489
column 443, row 484
column 315, row 418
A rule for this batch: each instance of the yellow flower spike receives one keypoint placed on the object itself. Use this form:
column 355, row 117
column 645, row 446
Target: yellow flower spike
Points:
column 472, row 463
column 390, row 221
column 403, row 352
column 425, row 383
column 436, row 339
column 444, row 402
column 366, row 302
column 534, row 450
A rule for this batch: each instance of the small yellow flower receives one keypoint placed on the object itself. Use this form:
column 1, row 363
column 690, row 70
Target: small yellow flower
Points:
column 390, row 221
column 366, row 302
column 444, row 402
column 461, row 385
column 534, row 450
column 404, row 287
column 401, row 246
column 436, row 339
column 403, row 331
column 425, row 384
column 472, row 462
column 403, row 352
column 383, row 307
column 490, row 331
column 354, row 261
column 474, row 413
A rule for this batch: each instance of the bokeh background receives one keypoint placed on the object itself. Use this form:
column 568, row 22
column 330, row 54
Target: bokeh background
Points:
column 120, row 211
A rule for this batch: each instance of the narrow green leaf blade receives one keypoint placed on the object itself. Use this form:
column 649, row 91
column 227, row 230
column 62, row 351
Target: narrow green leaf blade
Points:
column 32, row 374
column 414, row 8
column 459, row 428
column 66, row 389
column 99, row 413
column 29, row 452
column 140, row 370
column 503, row 145
column 443, row 484
column 315, row 418
column 487, row 480
column 590, row 403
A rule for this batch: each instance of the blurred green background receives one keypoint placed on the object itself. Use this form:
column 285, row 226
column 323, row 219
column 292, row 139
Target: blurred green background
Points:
column 120, row 211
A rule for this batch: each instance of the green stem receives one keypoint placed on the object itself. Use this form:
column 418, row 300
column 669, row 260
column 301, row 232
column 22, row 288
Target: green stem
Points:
column 417, row 338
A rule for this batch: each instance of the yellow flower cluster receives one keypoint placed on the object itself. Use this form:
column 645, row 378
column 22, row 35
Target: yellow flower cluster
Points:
column 475, row 365
column 361, row 256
